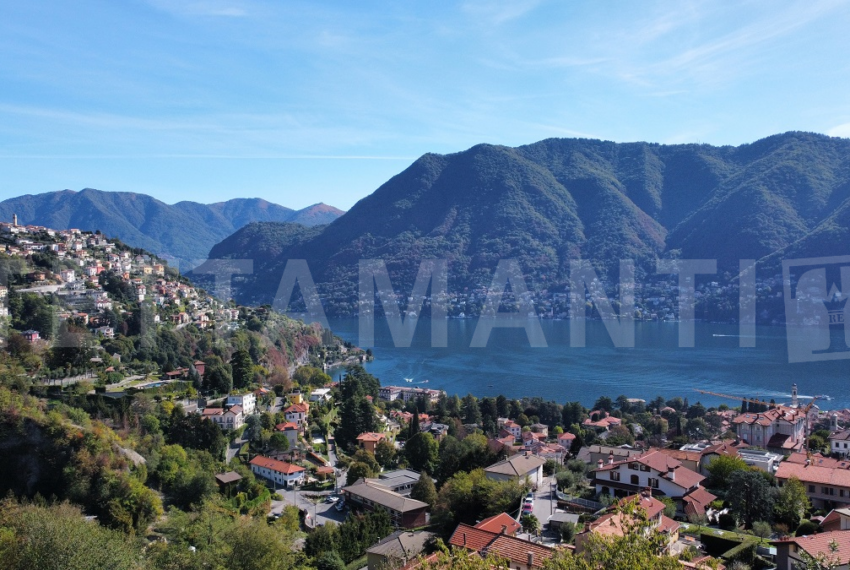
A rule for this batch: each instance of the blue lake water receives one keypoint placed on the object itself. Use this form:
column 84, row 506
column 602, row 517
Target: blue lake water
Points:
column 656, row 366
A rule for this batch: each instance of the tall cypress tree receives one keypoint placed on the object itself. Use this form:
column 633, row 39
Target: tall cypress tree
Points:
column 413, row 428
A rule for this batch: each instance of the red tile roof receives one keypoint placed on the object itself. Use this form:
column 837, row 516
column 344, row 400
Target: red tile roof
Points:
column 275, row 465
column 297, row 409
column 371, row 436
column 495, row 524
column 286, row 426
column 820, row 544
column 514, row 549
column 697, row 501
column 779, row 413
column 836, row 476
column 662, row 464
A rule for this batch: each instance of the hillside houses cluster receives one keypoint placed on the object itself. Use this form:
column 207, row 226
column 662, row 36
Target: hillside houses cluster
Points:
column 82, row 262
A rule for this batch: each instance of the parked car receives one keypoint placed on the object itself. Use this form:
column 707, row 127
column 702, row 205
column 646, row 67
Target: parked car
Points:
column 340, row 505
column 332, row 499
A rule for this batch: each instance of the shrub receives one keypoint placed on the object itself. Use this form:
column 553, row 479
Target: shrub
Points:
column 806, row 527
column 761, row 529
column 568, row 532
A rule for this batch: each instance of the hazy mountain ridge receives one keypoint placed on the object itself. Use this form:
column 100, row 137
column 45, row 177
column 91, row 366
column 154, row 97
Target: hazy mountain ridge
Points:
column 561, row 199
column 184, row 232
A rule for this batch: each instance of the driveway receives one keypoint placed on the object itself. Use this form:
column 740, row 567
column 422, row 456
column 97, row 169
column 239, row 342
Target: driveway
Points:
column 234, row 448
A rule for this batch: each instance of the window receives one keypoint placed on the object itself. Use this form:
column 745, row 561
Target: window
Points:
column 635, row 480
column 811, row 488
column 644, row 467
column 653, row 482
column 615, row 475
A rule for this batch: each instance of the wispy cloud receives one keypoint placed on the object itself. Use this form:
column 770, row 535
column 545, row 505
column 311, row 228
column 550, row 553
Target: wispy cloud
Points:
column 715, row 59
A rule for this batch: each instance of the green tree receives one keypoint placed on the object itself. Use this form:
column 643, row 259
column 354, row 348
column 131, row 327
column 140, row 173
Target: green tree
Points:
column 424, row 490
column 721, row 468
column 792, row 503
column 421, row 452
column 358, row 470
column 762, row 529
column 385, row 454
column 278, row 442
column 324, row 538
column 218, row 378
column 530, row 524
column 329, row 560
column 749, row 496
column 469, row 497
column 58, row 538
column 471, row 411
column 243, row 369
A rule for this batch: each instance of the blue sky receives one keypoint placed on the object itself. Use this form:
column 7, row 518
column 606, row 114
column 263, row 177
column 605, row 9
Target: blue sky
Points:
column 298, row 103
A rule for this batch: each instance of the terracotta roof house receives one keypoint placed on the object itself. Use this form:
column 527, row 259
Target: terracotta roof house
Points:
column 601, row 421
column 369, row 440
column 503, row 445
column 566, row 439
column 502, row 523
column 519, row 467
column 780, row 429
column 521, row 554
column 662, row 474
column 827, row 481
column 617, row 523
column 279, row 472
column 833, row 546
column 404, row 511
column 290, row 429
column 297, row 413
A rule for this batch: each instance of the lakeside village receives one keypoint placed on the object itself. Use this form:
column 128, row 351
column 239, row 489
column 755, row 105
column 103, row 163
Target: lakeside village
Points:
column 223, row 417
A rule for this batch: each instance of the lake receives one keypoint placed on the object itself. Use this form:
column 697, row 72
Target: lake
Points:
column 656, row 366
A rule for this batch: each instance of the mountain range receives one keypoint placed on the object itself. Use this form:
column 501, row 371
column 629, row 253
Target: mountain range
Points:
column 183, row 232
column 561, row 199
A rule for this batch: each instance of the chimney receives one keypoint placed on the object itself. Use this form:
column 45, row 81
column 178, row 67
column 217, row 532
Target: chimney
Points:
column 599, row 464
column 530, row 559
column 611, row 459
column 671, row 474
column 504, row 529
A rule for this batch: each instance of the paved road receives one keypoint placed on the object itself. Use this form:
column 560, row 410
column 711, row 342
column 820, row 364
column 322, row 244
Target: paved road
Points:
column 277, row 406
column 544, row 505
column 234, row 448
